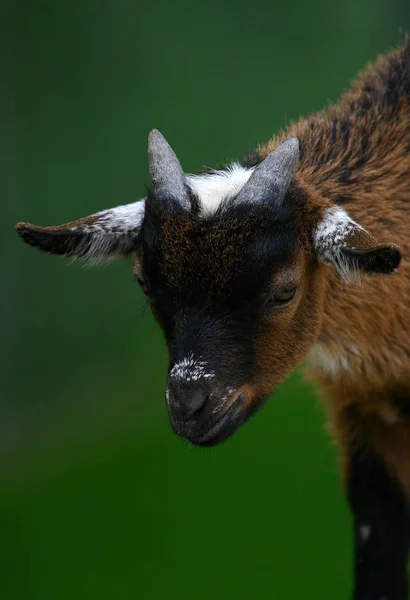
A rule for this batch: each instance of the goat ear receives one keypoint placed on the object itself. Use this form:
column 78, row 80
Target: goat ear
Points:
column 343, row 243
column 104, row 236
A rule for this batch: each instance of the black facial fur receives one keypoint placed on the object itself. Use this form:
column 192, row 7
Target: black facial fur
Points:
column 218, row 264
column 207, row 280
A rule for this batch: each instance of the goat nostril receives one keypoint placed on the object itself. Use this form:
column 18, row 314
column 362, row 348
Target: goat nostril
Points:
column 193, row 403
column 186, row 401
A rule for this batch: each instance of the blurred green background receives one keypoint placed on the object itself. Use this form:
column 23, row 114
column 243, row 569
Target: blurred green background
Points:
column 99, row 499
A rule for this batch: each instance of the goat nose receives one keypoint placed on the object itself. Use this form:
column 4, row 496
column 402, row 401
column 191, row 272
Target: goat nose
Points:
column 185, row 401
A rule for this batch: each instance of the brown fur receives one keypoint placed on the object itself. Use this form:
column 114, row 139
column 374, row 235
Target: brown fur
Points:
column 357, row 154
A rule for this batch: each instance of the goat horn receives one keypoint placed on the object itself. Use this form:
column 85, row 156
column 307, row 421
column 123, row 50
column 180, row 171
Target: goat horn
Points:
column 167, row 177
column 271, row 178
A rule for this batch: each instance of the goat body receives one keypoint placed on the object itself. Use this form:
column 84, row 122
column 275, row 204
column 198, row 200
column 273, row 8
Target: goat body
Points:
column 254, row 268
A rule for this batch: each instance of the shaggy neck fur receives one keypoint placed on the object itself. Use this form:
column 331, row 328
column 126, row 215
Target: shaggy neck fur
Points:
column 356, row 151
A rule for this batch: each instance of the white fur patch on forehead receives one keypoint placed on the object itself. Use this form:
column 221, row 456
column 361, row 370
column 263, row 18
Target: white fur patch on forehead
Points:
column 190, row 369
column 214, row 187
column 330, row 235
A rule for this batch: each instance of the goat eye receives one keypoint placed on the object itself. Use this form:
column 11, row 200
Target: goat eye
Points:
column 282, row 296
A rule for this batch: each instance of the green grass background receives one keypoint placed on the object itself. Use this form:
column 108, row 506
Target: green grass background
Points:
column 99, row 499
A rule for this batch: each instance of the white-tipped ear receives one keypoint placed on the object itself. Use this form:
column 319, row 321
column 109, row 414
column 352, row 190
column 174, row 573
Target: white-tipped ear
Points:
column 104, row 236
column 343, row 243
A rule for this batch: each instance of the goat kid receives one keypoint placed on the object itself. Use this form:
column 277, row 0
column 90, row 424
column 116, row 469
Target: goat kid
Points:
column 253, row 268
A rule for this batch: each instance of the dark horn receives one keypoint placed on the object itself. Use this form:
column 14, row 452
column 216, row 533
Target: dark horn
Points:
column 271, row 178
column 167, row 177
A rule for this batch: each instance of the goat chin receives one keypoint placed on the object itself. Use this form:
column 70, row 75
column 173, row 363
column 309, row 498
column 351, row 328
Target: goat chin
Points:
column 212, row 432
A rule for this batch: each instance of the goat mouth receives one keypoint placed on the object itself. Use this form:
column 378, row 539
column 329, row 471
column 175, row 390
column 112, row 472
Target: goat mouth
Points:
column 221, row 429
